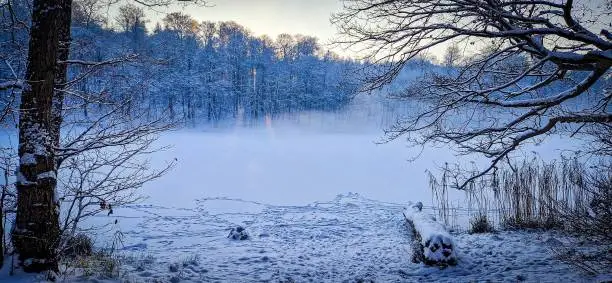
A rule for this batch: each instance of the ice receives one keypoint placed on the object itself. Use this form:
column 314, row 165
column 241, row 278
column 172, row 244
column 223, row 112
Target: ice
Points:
column 289, row 168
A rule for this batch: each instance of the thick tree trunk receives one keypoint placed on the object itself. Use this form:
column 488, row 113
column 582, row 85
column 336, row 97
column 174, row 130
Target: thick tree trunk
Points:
column 36, row 231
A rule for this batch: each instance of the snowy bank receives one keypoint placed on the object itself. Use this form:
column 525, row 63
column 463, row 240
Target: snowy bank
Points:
column 432, row 243
column 325, row 241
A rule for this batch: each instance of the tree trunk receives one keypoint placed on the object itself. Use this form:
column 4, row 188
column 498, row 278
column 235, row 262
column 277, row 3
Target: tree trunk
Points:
column 61, row 71
column 36, row 231
column 2, row 199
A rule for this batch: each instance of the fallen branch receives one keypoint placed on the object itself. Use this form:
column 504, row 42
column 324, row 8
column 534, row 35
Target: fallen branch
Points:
column 432, row 245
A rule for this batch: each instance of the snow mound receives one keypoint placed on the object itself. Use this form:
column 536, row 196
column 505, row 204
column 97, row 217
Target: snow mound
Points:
column 238, row 233
column 436, row 244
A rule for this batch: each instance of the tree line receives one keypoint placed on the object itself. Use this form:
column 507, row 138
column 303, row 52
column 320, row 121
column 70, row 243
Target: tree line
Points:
column 209, row 71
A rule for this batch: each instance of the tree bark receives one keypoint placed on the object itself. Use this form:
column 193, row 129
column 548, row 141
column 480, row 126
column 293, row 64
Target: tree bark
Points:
column 2, row 199
column 36, row 232
column 61, row 72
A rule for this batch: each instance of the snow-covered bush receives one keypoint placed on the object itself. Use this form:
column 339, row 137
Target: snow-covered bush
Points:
column 433, row 244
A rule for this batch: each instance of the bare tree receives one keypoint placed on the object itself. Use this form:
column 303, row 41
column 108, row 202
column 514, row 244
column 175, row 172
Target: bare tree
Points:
column 452, row 57
column 102, row 180
column 7, row 194
column 87, row 13
column 13, row 52
column 61, row 73
column 181, row 23
column 104, row 161
column 130, row 17
column 12, row 59
column 286, row 46
column 101, row 157
column 536, row 68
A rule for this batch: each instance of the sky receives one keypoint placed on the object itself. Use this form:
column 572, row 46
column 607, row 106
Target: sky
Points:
column 271, row 17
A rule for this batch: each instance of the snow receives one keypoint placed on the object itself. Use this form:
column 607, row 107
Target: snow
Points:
column 22, row 180
column 46, row 175
column 347, row 238
column 437, row 242
column 38, row 138
column 288, row 187
column 28, row 159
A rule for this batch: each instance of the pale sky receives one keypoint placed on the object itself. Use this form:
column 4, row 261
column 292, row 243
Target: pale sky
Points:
column 271, row 17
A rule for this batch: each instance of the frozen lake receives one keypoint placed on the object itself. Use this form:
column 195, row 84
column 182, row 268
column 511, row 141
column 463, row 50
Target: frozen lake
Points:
column 298, row 162
column 281, row 163
column 289, row 167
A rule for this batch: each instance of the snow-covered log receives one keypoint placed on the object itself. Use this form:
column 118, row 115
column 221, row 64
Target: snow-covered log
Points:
column 433, row 245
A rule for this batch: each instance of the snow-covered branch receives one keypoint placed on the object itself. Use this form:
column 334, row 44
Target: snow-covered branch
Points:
column 127, row 58
column 14, row 84
column 528, row 67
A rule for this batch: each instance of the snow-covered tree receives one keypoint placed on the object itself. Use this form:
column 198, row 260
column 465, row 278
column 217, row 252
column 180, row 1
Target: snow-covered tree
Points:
column 36, row 232
column 535, row 68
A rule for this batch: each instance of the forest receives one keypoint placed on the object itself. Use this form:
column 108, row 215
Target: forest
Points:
column 185, row 70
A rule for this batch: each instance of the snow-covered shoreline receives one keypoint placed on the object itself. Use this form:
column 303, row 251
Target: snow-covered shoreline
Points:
column 347, row 239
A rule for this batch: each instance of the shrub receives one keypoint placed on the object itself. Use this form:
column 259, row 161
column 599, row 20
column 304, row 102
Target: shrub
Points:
column 571, row 195
column 592, row 225
column 480, row 224
column 79, row 245
column 97, row 264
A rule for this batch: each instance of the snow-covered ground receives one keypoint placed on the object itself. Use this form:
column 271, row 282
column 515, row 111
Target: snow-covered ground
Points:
column 319, row 206
column 346, row 239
